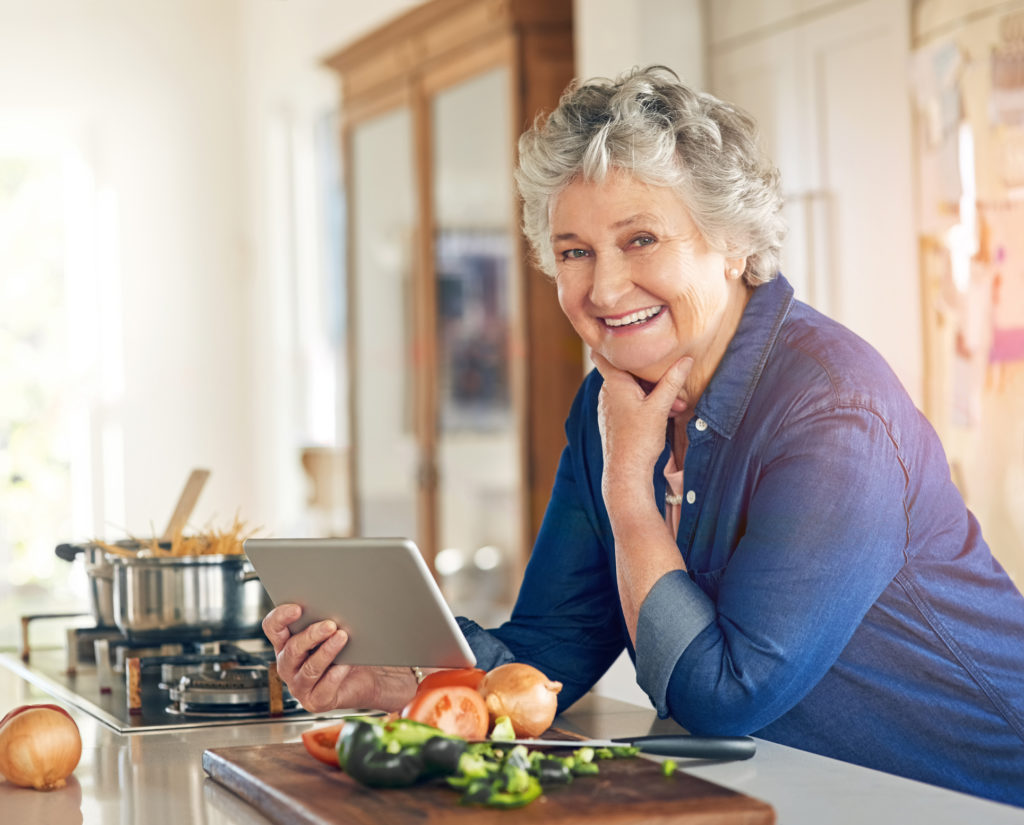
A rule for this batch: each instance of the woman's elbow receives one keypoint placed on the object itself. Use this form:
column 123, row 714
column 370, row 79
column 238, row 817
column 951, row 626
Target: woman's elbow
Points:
column 720, row 716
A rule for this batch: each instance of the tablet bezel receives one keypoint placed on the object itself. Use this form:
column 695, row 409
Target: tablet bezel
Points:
column 379, row 589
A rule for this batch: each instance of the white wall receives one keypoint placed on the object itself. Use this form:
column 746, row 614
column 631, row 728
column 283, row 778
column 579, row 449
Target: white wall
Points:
column 615, row 35
column 830, row 89
column 190, row 116
column 148, row 93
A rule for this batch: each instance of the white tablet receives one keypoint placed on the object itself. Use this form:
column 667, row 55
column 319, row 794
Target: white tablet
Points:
column 378, row 589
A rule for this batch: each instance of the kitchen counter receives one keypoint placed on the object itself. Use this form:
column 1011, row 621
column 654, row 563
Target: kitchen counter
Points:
column 157, row 777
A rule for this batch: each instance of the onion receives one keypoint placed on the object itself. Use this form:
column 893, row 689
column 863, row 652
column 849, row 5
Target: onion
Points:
column 522, row 693
column 39, row 747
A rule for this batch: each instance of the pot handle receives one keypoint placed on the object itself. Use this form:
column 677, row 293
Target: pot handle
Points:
column 68, row 551
column 105, row 572
column 247, row 576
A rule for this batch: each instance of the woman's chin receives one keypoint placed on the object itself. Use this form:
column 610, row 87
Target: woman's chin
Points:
column 641, row 363
column 647, row 375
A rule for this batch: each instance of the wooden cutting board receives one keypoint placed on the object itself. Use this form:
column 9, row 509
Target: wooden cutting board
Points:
column 288, row 786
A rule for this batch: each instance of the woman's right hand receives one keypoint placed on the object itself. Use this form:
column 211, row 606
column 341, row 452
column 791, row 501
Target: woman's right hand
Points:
column 632, row 422
column 305, row 661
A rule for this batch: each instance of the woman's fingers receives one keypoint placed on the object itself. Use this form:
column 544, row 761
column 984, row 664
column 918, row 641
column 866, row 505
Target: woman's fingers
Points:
column 296, row 652
column 305, row 661
column 321, row 658
column 632, row 418
column 308, row 658
column 666, row 392
column 334, row 689
column 613, row 374
column 277, row 622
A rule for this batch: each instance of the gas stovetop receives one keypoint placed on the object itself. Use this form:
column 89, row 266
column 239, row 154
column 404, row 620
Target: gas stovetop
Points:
column 135, row 689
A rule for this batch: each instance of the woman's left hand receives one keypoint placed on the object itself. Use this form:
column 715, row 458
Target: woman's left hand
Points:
column 633, row 421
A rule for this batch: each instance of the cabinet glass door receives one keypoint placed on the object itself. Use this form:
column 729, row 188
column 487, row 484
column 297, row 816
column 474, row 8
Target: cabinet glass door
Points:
column 479, row 354
column 382, row 222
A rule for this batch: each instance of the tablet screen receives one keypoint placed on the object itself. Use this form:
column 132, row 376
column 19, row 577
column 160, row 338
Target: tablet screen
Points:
column 378, row 589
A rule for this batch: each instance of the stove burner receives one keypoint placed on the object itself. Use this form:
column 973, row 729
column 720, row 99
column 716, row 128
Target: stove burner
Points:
column 127, row 684
column 236, row 710
column 254, row 711
column 241, row 690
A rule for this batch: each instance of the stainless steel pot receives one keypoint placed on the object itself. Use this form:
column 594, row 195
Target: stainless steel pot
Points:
column 101, row 580
column 187, row 597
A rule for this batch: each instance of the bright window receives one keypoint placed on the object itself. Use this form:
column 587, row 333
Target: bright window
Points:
column 50, row 382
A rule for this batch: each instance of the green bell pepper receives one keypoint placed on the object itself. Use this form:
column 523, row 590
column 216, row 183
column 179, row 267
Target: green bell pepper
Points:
column 396, row 754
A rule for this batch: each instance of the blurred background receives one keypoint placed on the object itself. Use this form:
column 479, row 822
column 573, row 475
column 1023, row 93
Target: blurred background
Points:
column 277, row 239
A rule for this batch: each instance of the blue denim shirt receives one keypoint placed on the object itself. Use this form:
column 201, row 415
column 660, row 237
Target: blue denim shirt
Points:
column 838, row 595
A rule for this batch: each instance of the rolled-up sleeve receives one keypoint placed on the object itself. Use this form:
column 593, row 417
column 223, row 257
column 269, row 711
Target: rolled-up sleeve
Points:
column 673, row 614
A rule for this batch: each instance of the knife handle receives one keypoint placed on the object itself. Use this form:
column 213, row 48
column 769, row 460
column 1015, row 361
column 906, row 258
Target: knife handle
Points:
column 694, row 747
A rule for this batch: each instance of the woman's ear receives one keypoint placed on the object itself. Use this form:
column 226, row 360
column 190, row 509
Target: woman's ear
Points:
column 735, row 267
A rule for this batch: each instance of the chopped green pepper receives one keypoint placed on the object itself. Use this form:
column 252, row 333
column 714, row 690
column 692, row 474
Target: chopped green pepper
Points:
column 668, row 767
column 397, row 753
column 518, row 757
column 401, row 752
column 364, row 755
column 407, row 733
column 510, row 786
column 516, row 799
column 472, row 766
column 582, row 763
column 442, row 755
column 551, row 770
column 503, row 730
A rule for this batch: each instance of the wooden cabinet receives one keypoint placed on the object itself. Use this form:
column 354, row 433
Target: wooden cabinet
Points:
column 462, row 364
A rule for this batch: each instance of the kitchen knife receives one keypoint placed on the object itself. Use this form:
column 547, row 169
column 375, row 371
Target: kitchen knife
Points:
column 682, row 745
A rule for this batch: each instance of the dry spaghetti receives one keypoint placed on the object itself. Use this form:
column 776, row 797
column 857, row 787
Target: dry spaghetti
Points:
column 210, row 542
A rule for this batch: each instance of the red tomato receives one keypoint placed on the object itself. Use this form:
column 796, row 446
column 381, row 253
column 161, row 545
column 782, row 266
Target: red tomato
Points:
column 457, row 710
column 322, row 743
column 468, row 676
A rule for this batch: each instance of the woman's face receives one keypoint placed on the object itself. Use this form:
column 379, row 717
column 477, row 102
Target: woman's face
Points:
column 636, row 279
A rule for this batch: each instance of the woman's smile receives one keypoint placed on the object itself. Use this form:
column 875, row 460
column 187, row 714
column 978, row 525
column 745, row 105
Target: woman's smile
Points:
column 633, row 320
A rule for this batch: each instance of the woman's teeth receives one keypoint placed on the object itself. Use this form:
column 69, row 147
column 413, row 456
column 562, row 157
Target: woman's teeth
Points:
column 637, row 317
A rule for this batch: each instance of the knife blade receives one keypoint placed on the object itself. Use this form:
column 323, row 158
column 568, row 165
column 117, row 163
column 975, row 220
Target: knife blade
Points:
column 681, row 745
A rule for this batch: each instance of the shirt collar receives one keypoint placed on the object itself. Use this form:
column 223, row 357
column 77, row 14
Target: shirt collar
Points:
column 724, row 401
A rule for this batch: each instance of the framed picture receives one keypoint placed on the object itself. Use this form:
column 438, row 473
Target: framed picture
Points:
column 474, row 329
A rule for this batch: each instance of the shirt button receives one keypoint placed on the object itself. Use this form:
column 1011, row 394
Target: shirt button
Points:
column 700, row 424
column 691, row 497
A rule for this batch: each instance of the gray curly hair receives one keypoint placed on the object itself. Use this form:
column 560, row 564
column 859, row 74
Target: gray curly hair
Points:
column 660, row 131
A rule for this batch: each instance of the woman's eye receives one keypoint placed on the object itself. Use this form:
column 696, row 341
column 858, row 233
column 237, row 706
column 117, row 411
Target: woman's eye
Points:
column 642, row 240
column 573, row 254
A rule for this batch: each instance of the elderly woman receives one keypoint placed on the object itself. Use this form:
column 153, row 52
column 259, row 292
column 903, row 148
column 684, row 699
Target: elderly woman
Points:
column 749, row 502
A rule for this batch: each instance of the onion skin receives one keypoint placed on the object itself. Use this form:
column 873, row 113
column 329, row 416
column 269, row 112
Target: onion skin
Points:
column 23, row 708
column 39, row 747
column 524, row 694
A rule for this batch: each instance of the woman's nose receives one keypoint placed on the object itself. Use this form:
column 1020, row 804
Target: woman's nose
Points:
column 611, row 281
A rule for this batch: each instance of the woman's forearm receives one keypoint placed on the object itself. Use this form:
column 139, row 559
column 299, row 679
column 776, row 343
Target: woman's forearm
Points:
column 644, row 547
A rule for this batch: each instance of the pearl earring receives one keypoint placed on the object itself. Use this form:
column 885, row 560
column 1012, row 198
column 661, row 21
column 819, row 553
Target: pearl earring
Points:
column 734, row 272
